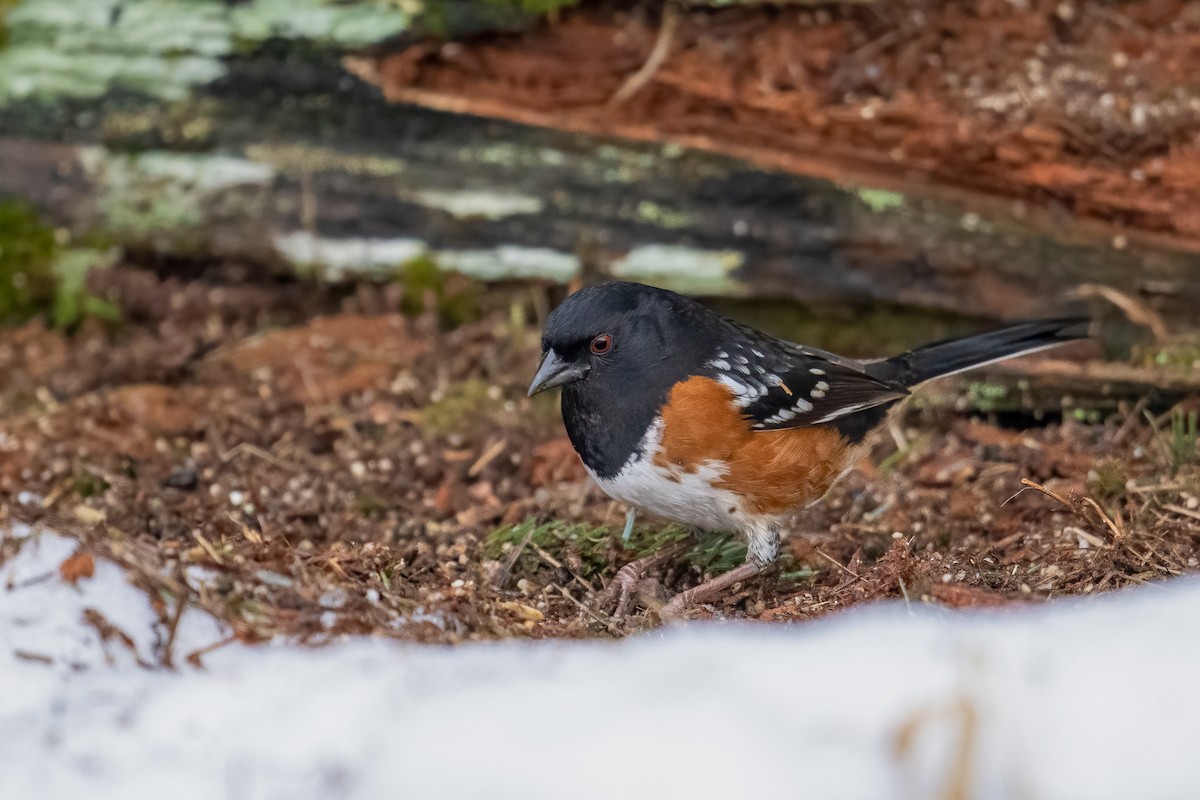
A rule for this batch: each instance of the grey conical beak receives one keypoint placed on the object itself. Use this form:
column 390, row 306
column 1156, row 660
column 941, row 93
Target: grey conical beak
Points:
column 555, row 372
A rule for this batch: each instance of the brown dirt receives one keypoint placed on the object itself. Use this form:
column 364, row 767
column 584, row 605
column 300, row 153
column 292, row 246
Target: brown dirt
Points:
column 305, row 463
column 1092, row 108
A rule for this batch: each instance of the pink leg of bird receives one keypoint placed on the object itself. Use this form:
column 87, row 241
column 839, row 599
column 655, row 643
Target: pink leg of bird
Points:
column 623, row 585
column 710, row 589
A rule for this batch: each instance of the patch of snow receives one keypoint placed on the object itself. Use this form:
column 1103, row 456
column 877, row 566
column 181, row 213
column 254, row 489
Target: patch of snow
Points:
column 42, row 617
column 1092, row 698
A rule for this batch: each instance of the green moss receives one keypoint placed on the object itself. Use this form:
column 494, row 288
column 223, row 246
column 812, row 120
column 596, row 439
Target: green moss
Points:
column 87, row 484
column 38, row 277
column 987, row 396
column 27, row 252
column 656, row 214
column 1180, row 356
column 594, row 549
column 1106, row 481
column 5, row 5
column 430, row 289
column 880, row 200
column 461, row 409
column 539, row 7
column 369, row 503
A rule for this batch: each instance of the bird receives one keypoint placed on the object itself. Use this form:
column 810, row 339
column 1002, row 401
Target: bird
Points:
column 680, row 412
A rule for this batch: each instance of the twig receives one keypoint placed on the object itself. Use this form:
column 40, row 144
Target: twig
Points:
column 1180, row 510
column 1131, row 420
column 506, row 570
column 838, row 564
column 607, row 623
column 549, row 559
column 1074, row 506
column 662, row 48
column 488, row 456
column 904, row 594
column 1134, row 310
column 1112, row 526
column 1048, row 492
column 258, row 452
column 193, row 657
column 173, row 630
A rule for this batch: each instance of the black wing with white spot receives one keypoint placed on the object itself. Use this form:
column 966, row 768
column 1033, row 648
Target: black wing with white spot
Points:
column 780, row 385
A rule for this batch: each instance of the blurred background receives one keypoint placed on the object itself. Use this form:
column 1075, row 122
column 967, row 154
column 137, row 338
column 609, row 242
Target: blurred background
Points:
column 272, row 276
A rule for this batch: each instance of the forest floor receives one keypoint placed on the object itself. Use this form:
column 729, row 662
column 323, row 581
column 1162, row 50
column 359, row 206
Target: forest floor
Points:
column 309, row 463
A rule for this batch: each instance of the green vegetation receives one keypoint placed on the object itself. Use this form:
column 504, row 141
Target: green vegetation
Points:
column 27, row 252
column 987, row 397
column 40, row 278
column 5, row 5
column 1106, row 481
column 595, row 552
column 458, row 410
column 430, row 289
column 1180, row 449
column 593, row 548
column 1181, row 356
column 87, row 484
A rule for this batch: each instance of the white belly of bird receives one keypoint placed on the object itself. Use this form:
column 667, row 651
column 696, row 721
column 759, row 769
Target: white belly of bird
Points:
column 687, row 497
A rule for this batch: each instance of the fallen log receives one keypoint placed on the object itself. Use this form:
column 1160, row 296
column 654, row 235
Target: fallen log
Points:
column 242, row 136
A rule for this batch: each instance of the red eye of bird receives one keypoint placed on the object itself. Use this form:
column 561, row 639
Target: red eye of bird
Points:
column 602, row 344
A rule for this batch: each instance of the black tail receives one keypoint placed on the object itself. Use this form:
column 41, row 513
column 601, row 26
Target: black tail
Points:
column 956, row 355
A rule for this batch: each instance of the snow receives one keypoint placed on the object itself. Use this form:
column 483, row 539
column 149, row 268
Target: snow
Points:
column 1088, row 698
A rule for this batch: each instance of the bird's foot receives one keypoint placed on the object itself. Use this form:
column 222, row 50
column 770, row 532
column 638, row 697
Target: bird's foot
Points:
column 709, row 590
column 629, row 583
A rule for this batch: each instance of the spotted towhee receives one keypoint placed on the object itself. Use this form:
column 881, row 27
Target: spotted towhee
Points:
column 680, row 412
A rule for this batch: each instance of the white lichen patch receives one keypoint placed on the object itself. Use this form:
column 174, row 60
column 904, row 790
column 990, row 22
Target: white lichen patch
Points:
column 338, row 259
column 512, row 261
column 164, row 48
column 685, row 269
column 83, row 48
column 880, row 200
column 163, row 196
column 479, row 204
column 299, row 159
column 324, row 21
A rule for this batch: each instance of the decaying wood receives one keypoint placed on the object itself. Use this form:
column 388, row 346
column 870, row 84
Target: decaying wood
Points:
column 272, row 154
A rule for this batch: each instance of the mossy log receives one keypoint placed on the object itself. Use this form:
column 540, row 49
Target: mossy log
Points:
column 208, row 129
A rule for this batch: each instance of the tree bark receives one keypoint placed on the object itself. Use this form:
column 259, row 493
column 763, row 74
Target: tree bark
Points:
column 234, row 131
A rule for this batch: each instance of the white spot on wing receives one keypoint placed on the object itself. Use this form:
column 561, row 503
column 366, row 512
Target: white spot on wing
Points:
column 735, row 386
column 816, row 371
column 844, row 410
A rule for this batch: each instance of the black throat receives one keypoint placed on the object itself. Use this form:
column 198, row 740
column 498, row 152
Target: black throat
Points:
column 605, row 426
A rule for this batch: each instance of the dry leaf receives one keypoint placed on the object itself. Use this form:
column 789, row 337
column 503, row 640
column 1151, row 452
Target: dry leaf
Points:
column 79, row 565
